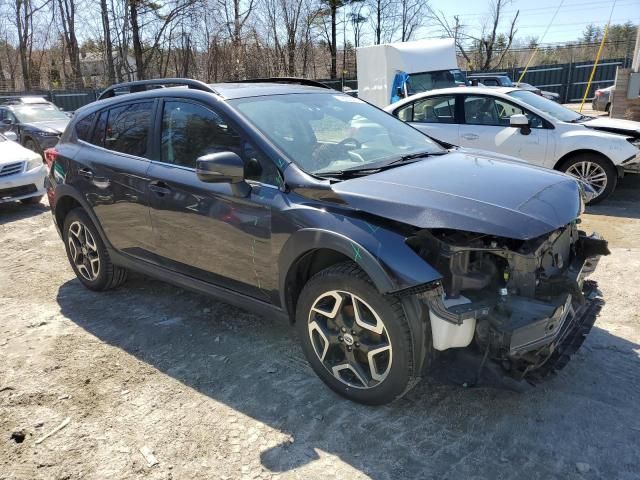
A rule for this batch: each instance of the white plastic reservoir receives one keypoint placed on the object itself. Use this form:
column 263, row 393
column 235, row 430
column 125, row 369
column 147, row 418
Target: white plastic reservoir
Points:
column 449, row 335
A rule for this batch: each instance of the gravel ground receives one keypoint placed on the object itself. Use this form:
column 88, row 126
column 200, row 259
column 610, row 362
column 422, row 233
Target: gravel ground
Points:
column 214, row 392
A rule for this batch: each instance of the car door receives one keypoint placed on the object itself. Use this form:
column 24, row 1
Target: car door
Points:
column 486, row 126
column 433, row 115
column 111, row 172
column 203, row 229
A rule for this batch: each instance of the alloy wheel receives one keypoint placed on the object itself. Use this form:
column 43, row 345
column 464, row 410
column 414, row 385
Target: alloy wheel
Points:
column 84, row 251
column 350, row 339
column 591, row 173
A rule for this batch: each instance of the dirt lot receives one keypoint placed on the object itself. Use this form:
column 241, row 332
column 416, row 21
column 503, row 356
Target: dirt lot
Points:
column 216, row 392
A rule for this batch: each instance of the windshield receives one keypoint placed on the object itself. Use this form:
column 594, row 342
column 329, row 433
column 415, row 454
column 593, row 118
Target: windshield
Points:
column 327, row 133
column 554, row 109
column 38, row 114
column 423, row 82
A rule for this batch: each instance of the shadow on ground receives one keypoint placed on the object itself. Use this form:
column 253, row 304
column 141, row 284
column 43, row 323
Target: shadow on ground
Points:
column 623, row 202
column 436, row 431
column 13, row 211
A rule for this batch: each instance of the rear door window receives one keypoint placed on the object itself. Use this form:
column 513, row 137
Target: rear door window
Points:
column 439, row 109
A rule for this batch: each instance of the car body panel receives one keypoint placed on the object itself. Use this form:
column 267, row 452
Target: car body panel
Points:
column 15, row 174
column 524, row 205
column 210, row 217
column 563, row 139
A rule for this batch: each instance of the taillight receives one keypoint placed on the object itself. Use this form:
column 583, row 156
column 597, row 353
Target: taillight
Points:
column 50, row 156
column 598, row 93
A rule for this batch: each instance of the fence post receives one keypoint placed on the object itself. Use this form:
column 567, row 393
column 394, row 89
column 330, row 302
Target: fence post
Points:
column 568, row 82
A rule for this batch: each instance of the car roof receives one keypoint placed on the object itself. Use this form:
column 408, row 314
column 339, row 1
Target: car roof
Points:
column 232, row 90
column 222, row 91
column 487, row 75
column 501, row 92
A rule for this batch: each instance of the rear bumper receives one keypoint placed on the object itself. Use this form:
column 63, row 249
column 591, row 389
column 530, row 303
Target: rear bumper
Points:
column 23, row 185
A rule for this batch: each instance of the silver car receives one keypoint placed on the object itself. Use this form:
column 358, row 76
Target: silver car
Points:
column 602, row 99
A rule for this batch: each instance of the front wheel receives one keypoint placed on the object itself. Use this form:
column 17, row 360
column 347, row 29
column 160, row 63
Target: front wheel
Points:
column 356, row 340
column 88, row 255
column 595, row 170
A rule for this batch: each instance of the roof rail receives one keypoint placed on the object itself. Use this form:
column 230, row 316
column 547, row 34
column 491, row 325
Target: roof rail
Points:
column 142, row 85
column 296, row 80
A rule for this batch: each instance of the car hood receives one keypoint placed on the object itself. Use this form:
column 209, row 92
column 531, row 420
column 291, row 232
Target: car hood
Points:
column 56, row 126
column 11, row 152
column 614, row 125
column 464, row 191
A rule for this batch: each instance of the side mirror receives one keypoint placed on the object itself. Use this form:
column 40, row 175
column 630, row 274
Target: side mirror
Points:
column 520, row 121
column 7, row 121
column 223, row 167
column 11, row 136
column 400, row 92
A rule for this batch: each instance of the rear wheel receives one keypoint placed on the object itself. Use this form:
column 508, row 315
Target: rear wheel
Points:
column 356, row 340
column 88, row 255
column 595, row 170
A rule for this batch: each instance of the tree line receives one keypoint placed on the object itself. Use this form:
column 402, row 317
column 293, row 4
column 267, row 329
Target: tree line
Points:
column 93, row 43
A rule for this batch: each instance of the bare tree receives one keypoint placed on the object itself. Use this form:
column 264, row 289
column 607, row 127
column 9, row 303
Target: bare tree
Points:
column 483, row 49
column 108, row 45
column 236, row 13
column 357, row 19
column 68, row 23
column 383, row 19
column 412, row 15
column 25, row 10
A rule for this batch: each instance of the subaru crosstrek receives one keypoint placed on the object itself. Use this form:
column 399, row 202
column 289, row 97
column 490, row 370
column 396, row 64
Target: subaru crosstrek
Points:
column 381, row 246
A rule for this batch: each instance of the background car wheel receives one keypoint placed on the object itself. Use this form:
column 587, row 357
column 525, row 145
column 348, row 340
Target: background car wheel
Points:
column 595, row 170
column 87, row 254
column 32, row 200
column 31, row 145
column 356, row 340
column 608, row 108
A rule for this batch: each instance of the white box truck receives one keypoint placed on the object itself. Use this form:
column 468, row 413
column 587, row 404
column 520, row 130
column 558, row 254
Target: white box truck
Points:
column 389, row 72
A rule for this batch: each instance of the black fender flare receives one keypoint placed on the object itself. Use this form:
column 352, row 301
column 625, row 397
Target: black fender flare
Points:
column 66, row 190
column 309, row 239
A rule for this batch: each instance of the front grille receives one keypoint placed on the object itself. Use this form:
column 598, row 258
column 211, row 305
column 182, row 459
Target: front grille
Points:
column 11, row 169
column 7, row 193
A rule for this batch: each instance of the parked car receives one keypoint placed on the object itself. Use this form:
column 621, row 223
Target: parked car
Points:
column 22, row 173
column 524, row 125
column 548, row 95
column 27, row 100
column 602, row 99
column 38, row 126
column 489, row 80
column 381, row 250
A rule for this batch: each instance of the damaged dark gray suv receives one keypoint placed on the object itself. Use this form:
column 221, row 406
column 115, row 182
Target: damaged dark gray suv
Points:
column 382, row 247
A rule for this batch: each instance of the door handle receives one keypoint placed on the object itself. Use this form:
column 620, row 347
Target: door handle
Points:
column 159, row 188
column 470, row 136
column 86, row 173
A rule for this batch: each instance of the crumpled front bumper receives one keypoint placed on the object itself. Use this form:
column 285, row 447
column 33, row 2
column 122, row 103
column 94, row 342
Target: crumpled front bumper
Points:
column 529, row 337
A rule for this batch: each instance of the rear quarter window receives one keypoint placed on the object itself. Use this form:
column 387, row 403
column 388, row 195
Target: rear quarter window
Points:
column 84, row 126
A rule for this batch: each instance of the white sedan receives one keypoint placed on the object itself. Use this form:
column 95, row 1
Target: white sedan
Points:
column 22, row 172
column 521, row 124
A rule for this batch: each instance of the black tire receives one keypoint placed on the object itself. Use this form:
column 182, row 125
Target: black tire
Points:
column 32, row 200
column 107, row 275
column 608, row 108
column 29, row 144
column 604, row 163
column 400, row 375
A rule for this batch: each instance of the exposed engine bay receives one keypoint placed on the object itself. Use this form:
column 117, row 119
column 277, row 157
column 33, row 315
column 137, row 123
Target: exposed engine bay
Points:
column 524, row 303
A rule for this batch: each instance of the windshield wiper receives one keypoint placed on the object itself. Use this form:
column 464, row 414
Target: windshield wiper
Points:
column 378, row 166
column 581, row 118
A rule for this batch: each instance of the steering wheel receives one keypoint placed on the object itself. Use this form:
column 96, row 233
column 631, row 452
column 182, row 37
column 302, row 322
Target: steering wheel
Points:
column 347, row 142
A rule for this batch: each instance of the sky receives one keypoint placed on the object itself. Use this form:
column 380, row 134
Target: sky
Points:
column 573, row 17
